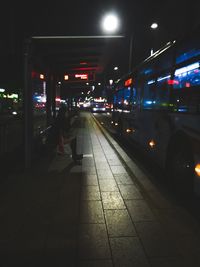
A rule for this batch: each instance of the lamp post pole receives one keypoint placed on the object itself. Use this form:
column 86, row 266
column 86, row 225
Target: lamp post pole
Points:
column 130, row 53
column 27, row 106
column 154, row 26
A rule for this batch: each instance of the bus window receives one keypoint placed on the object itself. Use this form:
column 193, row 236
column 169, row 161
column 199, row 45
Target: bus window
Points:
column 134, row 97
column 127, row 98
column 149, row 94
column 119, row 99
column 162, row 92
column 186, row 88
column 187, row 76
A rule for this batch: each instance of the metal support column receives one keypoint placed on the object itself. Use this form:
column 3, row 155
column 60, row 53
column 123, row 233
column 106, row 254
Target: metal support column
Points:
column 28, row 106
column 130, row 53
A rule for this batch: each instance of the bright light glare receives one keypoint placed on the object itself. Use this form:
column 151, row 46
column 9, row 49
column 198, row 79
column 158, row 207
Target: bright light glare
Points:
column 197, row 169
column 154, row 25
column 152, row 143
column 110, row 23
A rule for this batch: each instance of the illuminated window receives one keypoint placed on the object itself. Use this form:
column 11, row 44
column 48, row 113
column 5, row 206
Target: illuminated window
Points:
column 186, row 93
column 149, row 94
column 187, row 76
column 162, row 92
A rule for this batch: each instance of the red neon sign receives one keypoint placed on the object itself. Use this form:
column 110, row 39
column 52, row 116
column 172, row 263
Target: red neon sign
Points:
column 79, row 77
column 82, row 76
column 172, row 82
column 128, row 82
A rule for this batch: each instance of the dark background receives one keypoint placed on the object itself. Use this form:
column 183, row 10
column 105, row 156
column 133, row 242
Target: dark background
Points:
column 19, row 20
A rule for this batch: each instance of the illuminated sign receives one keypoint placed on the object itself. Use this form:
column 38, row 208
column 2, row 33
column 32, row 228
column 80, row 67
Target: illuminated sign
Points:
column 128, row 82
column 172, row 82
column 99, row 99
column 82, row 76
column 79, row 77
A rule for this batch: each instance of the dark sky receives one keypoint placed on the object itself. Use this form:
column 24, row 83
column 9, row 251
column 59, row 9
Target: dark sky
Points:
column 82, row 17
column 20, row 20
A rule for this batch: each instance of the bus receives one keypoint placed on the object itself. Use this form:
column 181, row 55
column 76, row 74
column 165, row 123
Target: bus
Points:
column 98, row 104
column 157, row 106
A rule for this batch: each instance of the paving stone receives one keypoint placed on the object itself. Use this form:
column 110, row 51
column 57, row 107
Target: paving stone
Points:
column 91, row 212
column 155, row 240
column 112, row 200
column 102, row 165
column 105, row 174
column 112, row 156
column 96, row 263
column 167, row 262
column 88, row 169
column 90, row 179
column 123, row 179
column 118, row 169
column 139, row 210
column 108, row 185
column 130, row 192
column 128, row 252
column 113, row 162
column 93, row 242
column 90, row 192
column 102, row 176
column 66, row 211
column 88, row 163
column 119, row 223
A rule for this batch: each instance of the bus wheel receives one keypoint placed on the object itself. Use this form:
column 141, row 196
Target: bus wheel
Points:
column 180, row 168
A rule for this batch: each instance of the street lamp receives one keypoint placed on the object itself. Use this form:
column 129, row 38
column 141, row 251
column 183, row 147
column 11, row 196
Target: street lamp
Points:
column 154, row 26
column 110, row 23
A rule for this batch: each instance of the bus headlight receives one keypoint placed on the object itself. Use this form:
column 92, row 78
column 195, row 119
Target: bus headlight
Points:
column 152, row 143
column 197, row 169
column 128, row 130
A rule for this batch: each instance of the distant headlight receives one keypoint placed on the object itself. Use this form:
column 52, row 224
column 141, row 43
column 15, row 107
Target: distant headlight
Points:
column 14, row 113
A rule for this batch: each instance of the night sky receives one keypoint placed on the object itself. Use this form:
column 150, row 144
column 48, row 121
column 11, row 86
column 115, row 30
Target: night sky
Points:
column 18, row 21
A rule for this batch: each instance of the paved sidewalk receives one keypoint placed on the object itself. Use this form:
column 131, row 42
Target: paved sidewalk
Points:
column 102, row 213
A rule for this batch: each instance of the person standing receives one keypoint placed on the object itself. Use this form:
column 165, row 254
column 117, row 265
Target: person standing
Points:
column 65, row 134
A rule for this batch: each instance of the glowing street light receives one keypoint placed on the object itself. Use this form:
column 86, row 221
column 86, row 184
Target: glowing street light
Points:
column 154, row 26
column 110, row 23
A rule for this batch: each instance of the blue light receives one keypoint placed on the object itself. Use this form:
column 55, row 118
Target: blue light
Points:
column 186, row 69
column 148, row 102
